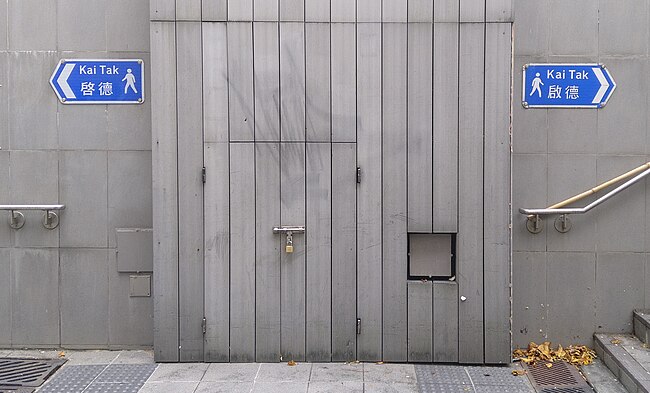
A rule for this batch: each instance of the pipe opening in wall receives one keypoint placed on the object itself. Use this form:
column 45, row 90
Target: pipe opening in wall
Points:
column 432, row 256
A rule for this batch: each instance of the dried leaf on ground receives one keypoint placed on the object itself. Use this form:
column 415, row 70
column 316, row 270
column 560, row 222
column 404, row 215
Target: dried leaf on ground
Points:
column 518, row 372
column 292, row 363
column 61, row 354
column 579, row 355
column 615, row 341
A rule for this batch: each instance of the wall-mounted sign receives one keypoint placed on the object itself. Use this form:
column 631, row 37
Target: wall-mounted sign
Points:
column 566, row 86
column 99, row 81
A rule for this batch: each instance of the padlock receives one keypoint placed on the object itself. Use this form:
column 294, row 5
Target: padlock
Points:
column 289, row 248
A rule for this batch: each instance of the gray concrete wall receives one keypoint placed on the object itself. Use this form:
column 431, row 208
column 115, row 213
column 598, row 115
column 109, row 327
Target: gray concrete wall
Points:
column 62, row 287
column 568, row 286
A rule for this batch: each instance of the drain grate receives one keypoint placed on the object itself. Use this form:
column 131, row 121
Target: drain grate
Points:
column 23, row 375
column 560, row 378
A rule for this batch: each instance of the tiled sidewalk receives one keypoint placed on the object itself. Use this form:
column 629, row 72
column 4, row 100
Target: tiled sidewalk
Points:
column 135, row 371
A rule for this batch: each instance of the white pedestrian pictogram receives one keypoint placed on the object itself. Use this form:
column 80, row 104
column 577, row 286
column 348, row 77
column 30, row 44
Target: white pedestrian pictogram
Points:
column 537, row 82
column 130, row 81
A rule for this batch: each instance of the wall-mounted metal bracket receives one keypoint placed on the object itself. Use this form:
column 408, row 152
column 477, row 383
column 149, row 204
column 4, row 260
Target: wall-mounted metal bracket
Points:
column 535, row 224
column 17, row 219
column 562, row 223
column 289, row 231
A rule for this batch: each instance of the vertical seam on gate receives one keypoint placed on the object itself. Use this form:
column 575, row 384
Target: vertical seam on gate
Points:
column 280, row 175
column 407, row 176
column 433, row 166
column 304, row 53
column 483, row 186
column 202, row 205
column 254, row 190
column 227, row 25
column 459, row 261
column 178, row 246
column 381, row 174
column 356, row 186
column 331, row 196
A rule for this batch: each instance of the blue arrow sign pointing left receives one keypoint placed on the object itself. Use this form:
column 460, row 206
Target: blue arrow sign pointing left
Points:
column 566, row 86
column 99, row 81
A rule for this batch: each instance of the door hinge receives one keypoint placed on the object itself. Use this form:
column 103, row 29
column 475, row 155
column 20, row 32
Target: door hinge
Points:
column 204, row 325
column 359, row 175
column 358, row 325
column 203, row 175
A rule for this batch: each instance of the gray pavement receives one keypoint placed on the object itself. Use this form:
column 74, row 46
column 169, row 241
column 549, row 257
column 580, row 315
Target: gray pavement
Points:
column 136, row 372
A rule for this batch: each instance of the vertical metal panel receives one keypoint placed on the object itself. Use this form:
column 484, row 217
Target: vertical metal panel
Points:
column 344, row 93
column 217, row 250
column 267, row 82
column 292, row 81
column 318, row 113
column 165, row 187
column 445, row 322
column 499, row 11
column 242, row 252
column 240, row 78
column 268, row 247
column 215, row 82
column 420, row 11
column 420, row 310
column 190, row 189
column 498, row 63
column 162, row 10
column 265, row 10
column 214, row 10
column 5, row 230
column 35, row 276
column 344, row 240
column 472, row 10
column 292, row 212
column 369, row 249
column 240, row 10
column 188, row 10
column 5, row 297
column 394, row 192
column 446, row 10
column 292, row 10
column 394, row 10
column 319, row 252
column 84, row 286
column 343, row 10
column 470, row 206
column 420, row 127
column 369, row 10
column 445, row 127
column 317, row 10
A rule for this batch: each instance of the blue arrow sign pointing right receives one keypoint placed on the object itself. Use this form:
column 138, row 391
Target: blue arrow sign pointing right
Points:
column 566, row 86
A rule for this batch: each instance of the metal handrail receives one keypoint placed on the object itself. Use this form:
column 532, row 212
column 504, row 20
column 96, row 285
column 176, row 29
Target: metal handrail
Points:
column 32, row 207
column 562, row 223
column 17, row 219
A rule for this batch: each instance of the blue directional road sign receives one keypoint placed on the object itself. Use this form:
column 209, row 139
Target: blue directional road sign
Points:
column 99, row 81
column 566, row 86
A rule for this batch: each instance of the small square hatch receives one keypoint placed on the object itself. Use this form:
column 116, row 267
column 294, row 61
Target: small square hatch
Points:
column 431, row 255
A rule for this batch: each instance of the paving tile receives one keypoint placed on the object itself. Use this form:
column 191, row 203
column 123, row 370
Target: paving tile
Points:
column 113, row 388
column 35, row 354
column 597, row 372
column 224, row 387
column 72, row 379
column 4, row 354
column 91, row 357
column 389, row 373
column 134, row 357
column 281, row 372
column 231, row 372
column 169, row 387
column 609, row 387
column 494, row 376
column 280, row 387
column 391, row 387
column 504, row 389
column 176, row 372
column 336, row 372
column 446, row 388
column 335, row 387
column 126, row 373
column 451, row 375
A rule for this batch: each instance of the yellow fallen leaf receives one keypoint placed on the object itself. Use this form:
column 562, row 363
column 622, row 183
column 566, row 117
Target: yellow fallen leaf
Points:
column 380, row 362
column 615, row 341
column 549, row 365
column 61, row 354
column 518, row 372
column 292, row 363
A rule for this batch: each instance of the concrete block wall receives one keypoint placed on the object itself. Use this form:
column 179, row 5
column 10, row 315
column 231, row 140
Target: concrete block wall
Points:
column 568, row 286
column 61, row 287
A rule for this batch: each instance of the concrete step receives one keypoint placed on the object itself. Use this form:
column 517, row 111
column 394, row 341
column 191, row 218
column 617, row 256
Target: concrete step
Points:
column 601, row 379
column 641, row 320
column 627, row 358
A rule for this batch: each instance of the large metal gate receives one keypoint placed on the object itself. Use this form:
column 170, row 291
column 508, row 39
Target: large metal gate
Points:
column 367, row 134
